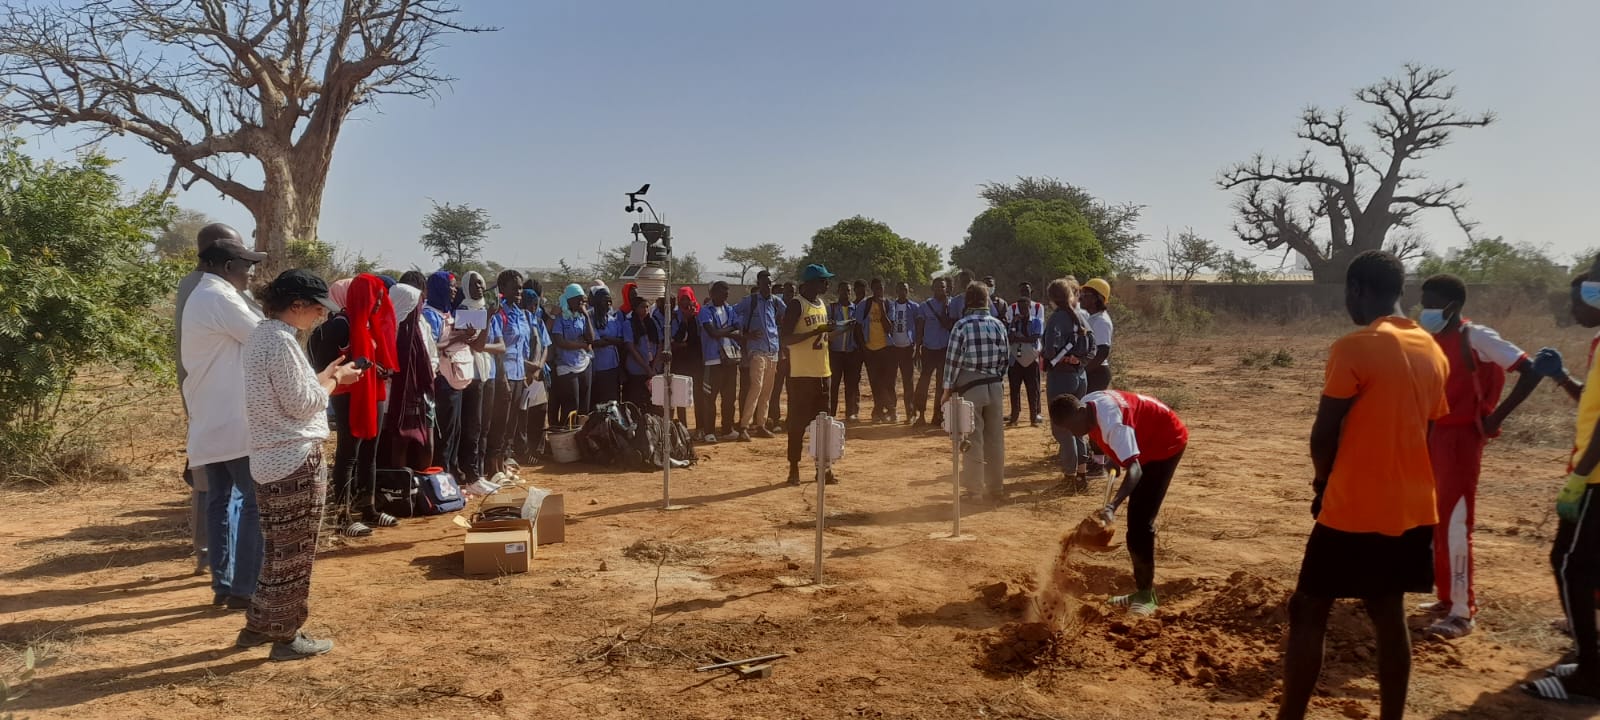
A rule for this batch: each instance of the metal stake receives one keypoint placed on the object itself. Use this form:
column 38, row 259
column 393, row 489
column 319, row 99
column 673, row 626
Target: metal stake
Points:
column 820, row 432
column 955, row 462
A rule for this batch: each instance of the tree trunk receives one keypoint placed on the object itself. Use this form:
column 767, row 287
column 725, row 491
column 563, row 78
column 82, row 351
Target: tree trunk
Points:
column 1328, row 270
column 290, row 205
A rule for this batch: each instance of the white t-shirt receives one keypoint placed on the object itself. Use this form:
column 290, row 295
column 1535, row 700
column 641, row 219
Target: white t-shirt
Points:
column 217, row 322
column 1100, row 324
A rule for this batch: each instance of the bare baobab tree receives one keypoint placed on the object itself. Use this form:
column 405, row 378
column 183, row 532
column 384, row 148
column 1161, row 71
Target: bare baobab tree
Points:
column 1330, row 214
column 211, row 83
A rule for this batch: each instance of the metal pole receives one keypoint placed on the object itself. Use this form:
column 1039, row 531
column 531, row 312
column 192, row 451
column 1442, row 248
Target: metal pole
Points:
column 666, row 403
column 820, row 434
column 952, row 415
column 666, row 444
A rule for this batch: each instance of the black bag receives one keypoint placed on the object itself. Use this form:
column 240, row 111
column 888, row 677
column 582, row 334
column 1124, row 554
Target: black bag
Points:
column 602, row 439
column 438, row 493
column 646, row 431
column 397, row 491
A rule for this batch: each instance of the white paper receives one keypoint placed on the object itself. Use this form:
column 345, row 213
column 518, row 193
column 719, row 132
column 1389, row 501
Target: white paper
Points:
column 472, row 319
column 536, row 394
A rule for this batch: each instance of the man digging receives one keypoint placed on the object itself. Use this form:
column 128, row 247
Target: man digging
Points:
column 1141, row 435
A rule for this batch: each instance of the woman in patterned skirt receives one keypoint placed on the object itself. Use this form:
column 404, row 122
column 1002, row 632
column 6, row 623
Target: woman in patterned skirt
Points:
column 286, row 404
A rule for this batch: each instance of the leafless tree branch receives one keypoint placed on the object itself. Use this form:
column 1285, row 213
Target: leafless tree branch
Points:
column 204, row 80
column 1366, row 195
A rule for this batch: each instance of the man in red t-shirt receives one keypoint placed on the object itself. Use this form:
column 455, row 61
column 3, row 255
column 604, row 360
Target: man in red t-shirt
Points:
column 1141, row 435
column 1479, row 360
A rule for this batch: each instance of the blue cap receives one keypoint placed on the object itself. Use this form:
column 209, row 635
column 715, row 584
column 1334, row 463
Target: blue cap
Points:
column 814, row 272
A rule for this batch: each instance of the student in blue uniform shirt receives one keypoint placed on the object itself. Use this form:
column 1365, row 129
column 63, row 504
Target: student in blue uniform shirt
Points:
column 608, row 341
column 903, row 315
column 574, row 342
column 844, row 356
column 643, row 332
column 1025, row 323
column 534, row 420
column 758, row 318
column 958, row 301
column 720, row 353
column 786, row 295
column 508, row 341
column 933, row 337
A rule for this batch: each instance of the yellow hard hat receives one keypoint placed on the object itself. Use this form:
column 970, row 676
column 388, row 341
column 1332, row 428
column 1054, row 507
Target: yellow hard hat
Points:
column 1100, row 286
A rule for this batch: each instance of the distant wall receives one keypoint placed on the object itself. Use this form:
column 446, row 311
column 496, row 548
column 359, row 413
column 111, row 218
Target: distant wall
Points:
column 1291, row 300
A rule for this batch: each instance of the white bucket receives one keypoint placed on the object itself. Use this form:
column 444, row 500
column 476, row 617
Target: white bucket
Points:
column 564, row 446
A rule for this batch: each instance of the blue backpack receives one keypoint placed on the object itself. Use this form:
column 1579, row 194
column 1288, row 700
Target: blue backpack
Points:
column 439, row 493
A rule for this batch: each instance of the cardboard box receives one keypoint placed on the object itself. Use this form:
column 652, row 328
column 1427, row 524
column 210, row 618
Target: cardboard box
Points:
column 498, row 547
column 549, row 527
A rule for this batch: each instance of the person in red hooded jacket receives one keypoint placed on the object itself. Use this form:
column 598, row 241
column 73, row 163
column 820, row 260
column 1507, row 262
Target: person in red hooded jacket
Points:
column 363, row 331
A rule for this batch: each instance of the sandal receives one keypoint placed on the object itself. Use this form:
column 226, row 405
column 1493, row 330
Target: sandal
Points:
column 1436, row 607
column 356, row 529
column 1452, row 627
column 382, row 520
column 1143, row 604
column 1555, row 688
column 1562, row 670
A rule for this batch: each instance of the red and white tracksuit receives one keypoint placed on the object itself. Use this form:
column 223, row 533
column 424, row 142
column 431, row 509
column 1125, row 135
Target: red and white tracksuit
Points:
column 1456, row 448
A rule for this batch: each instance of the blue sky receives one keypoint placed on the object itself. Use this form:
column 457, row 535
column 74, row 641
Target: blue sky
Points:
column 764, row 121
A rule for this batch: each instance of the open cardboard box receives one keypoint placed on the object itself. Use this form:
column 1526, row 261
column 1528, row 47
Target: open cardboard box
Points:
column 498, row 547
column 551, row 524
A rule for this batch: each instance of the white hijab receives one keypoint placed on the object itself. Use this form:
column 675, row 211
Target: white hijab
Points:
column 466, row 299
column 405, row 299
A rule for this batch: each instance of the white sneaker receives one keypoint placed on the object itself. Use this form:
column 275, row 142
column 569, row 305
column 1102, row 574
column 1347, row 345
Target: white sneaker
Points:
column 480, row 488
column 709, row 439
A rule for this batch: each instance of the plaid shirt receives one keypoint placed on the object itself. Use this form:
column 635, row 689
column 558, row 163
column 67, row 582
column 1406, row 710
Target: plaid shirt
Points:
column 978, row 343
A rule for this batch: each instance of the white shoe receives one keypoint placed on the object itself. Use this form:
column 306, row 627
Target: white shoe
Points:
column 480, row 488
column 709, row 439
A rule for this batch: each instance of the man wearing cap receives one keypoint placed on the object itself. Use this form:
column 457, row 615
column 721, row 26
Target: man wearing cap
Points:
column 216, row 322
column 1092, row 297
column 805, row 334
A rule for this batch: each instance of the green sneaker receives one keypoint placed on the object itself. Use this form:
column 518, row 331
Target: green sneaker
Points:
column 1141, row 603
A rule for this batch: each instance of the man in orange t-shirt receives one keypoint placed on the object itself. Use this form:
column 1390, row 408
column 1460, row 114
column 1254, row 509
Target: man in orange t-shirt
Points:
column 1374, row 506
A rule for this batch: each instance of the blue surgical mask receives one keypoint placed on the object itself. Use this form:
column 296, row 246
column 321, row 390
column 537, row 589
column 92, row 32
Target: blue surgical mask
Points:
column 1590, row 292
column 1433, row 320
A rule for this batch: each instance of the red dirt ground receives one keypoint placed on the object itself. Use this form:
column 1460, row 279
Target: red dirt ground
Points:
column 909, row 623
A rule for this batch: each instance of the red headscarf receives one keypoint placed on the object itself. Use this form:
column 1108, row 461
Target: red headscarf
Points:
column 372, row 333
column 688, row 292
column 627, row 297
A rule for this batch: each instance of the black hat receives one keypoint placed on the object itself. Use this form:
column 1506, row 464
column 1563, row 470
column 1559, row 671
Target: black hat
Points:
column 222, row 242
column 302, row 285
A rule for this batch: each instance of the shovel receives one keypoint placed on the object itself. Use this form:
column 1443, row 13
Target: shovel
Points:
column 1091, row 534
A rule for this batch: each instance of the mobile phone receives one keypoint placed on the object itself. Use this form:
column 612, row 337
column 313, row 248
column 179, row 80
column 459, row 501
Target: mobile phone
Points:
column 363, row 363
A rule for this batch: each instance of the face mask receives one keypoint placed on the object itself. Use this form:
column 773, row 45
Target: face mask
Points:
column 1590, row 292
column 1433, row 320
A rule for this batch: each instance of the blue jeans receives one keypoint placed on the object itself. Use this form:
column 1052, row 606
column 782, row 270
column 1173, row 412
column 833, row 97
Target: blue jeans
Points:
column 233, row 528
column 1067, row 380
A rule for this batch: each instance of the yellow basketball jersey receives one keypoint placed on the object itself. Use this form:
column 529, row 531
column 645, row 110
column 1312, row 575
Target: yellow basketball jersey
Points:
column 809, row 357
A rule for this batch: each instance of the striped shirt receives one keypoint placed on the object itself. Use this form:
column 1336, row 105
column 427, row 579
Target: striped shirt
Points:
column 978, row 343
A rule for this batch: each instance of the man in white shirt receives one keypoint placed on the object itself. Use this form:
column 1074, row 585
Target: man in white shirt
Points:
column 216, row 322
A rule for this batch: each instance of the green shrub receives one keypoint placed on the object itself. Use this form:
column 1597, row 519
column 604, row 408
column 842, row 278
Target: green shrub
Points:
column 79, row 288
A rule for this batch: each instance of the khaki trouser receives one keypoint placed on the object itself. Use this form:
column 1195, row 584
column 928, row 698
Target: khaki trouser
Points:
column 763, row 369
